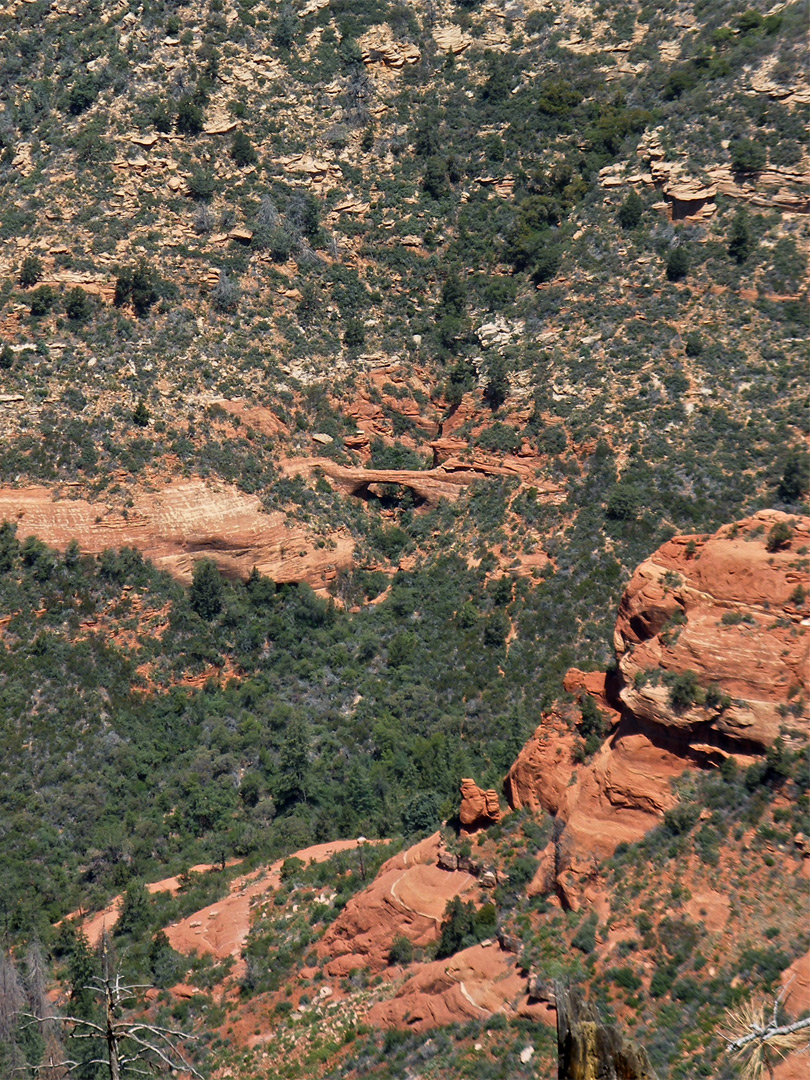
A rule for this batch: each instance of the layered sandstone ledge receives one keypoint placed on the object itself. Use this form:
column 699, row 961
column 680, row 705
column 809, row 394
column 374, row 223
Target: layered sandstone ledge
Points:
column 185, row 521
column 713, row 648
column 733, row 609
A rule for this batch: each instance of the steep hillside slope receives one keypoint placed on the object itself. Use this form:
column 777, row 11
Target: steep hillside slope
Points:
column 666, row 874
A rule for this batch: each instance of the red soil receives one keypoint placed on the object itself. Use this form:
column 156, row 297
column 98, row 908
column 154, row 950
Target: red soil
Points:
column 221, row 929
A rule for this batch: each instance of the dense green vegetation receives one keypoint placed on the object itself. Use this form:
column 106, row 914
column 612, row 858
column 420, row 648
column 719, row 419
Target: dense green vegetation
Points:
column 337, row 724
column 164, row 251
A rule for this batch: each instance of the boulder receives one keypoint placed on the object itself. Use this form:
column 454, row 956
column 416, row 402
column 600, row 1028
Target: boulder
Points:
column 478, row 807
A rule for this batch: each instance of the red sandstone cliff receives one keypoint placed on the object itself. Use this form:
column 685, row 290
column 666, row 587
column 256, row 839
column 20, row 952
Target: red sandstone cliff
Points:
column 730, row 610
column 728, row 616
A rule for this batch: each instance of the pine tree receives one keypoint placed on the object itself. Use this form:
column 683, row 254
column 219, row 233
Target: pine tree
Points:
column 206, row 591
column 630, row 211
column 741, row 240
column 135, row 915
column 140, row 414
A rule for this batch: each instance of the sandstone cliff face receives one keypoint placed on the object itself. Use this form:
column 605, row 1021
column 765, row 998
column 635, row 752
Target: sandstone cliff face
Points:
column 615, row 798
column 732, row 612
column 728, row 617
column 187, row 520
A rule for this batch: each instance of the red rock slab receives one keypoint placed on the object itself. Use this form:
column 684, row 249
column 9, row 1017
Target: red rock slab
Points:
column 472, row 985
column 593, row 683
column 709, row 908
column 408, row 897
column 540, row 774
column 258, row 417
column 94, row 925
column 796, row 981
column 615, row 798
column 183, row 522
column 221, row 929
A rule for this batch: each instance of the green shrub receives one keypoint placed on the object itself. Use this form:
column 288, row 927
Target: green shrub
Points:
column 434, row 180
column 464, row 926
column 747, row 155
column 42, row 300
column 30, row 271
column 497, row 386
column 82, row 94
column 500, row 437
column 630, row 211
column 291, row 868
column 683, row 690
column 795, row 482
column 585, row 937
column 206, row 592
column 91, row 146
column 284, row 29
column 138, row 285
column 135, row 914
column 78, row 305
column 354, row 334
column 624, row 977
column 226, row 294
column 624, row 502
column 521, row 871
column 242, row 150
column 741, row 241
column 401, row 951
column 681, row 819
column 661, row 981
column 693, row 343
column 140, row 414
column 202, row 185
column 189, row 118
column 678, row 263
column 547, row 263
column 779, row 536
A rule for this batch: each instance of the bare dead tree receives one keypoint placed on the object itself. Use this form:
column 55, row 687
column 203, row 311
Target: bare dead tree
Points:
column 12, row 999
column 126, row 1045
column 11, row 996
column 36, row 980
column 756, row 1035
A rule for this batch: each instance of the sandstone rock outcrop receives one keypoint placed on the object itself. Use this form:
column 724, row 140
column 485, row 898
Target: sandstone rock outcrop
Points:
column 186, row 521
column 728, row 614
column 430, row 485
column 713, row 644
column 378, row 46
column 408, row 897
column 473, row 984
column 616, row 798
column 479, row 808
